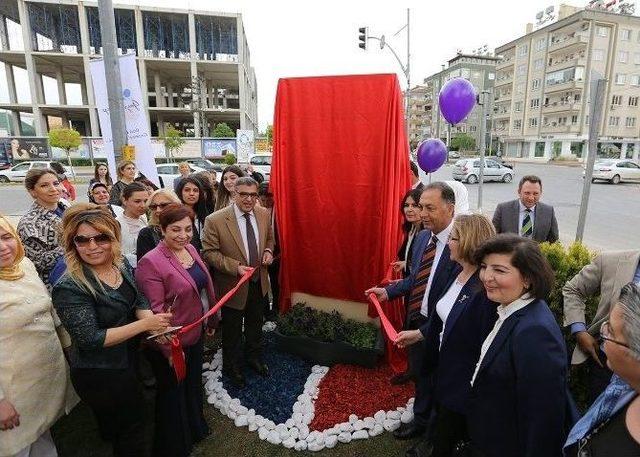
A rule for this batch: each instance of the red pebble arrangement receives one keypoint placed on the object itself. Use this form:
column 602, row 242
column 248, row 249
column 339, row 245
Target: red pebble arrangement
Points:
column 348, row 389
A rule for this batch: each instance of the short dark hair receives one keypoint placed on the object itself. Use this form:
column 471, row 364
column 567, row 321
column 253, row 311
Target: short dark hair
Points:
column 57, row 167
column 129, row 189
column 414, row 168
column 446, row 192
column 530, row 178
column 263, row 189
column 526, row 256
column 173, row 213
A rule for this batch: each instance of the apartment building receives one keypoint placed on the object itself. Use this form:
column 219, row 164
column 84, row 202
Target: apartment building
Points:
column 417, row 115
column 542, row 87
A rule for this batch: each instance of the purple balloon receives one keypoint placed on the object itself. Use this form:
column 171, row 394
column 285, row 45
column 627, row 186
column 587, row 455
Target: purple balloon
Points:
column 457, row 98
column 431, row 155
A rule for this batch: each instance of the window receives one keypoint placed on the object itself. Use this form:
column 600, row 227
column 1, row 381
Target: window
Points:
column 533, row 122
column 634, row 80
column 517, row 106
column 586, row 119
column 598, row 55
column 541, row 44
column 473, row 128
column 633, row 101
column 576, row 98
column 465, row 73
column 535, row 103
column 523, row 50
column 492, row 76
column 621, row 78
column 625, row 34
column 616, row 100
column 602, row 31
column 614, row 121
column 538, row 64
column 562, row 120
column 517, row 124
column 522, row 69
column 574, row 119
column 623, row 56
column 520, row 88
column 21, row 167
column 636, row 57
column 630, row 122
column 535, row 84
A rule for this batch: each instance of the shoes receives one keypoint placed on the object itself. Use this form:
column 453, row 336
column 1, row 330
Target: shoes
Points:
column 259, row 367
column 401, row 378
column 409, row 431
column 236, row 376
column 422, row 448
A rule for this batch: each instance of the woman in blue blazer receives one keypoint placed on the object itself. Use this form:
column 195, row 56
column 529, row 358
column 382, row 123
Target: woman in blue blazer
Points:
column 518, row 402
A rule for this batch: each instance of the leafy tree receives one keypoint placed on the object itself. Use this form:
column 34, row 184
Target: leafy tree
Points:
column 222, row 130
column 173, row 139
column 463, row 142
column 229, row 158
column 66, row 139
column 269, row 135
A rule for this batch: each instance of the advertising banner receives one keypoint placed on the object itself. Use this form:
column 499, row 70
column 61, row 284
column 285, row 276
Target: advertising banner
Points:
column 218, row 147
column 246, row 147
column 18, row 148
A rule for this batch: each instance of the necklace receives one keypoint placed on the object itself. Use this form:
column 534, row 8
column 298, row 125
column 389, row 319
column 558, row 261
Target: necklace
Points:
column 112, row 278
column 184, row 258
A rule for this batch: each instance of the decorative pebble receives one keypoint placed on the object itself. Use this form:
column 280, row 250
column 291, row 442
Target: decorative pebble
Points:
column 407, row 416
column 274, row 437
column 353, row 418
column 331, row 441
column 395, row 415
column 344, row 437
column 263, row 433
column 377, row 430
column 390, row 425
column 346, row 427
column 241, row 421
column 300, row 446
column 315, row 447
column 360, row 435
column 358, row 425
column 289, row 443
column 369, row 423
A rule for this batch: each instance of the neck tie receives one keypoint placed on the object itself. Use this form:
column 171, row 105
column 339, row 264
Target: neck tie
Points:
column 422, row 277
column 527, row 224
column 251, row 244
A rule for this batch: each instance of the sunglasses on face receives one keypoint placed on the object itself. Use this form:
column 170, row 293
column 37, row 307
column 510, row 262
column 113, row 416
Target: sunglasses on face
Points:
column 84, row 241
column 155, row 206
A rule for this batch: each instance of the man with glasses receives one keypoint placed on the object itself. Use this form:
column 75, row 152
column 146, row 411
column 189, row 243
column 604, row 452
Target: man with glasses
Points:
column 605, row 276
column 237, row 238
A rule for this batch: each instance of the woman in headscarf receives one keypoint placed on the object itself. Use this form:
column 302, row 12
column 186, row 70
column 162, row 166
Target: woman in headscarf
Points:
column 34, row 382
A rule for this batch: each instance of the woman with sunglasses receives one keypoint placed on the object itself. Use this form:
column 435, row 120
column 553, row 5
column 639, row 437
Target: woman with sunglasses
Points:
column 611, row 426
column 150, row 236
column 100, row 306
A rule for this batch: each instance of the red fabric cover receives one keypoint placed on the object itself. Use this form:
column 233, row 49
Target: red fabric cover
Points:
column 340, row 168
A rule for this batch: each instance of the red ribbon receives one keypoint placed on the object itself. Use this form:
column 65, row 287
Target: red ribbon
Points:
column 177, row 355
column 384, row 320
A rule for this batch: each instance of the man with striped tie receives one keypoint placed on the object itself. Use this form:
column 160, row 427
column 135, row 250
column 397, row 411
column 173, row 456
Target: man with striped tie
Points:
column 527, row 216
column 431, row 271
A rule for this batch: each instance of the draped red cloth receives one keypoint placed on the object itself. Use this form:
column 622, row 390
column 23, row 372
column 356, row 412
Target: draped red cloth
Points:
column 340, row 168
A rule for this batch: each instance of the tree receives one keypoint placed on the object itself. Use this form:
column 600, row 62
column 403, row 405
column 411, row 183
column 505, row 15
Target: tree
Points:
column 229, row 158
column 173, row 139
column 222, row 130
column 269, row 135
column 463, row 142
column 66, row 139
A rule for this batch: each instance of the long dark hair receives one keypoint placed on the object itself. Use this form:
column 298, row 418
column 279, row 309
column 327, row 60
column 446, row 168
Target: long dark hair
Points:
column 200, row 208
column 222, row 199
column 107, row 177
column 415, row 195
column 205, row 182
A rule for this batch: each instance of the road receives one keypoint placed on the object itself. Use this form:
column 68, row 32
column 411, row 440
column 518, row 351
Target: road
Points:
column 612, row 220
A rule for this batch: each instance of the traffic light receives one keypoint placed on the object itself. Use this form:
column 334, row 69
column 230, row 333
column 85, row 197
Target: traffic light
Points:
column 364, row 35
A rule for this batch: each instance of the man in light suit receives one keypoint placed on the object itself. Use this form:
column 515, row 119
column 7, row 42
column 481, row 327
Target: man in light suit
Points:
column 430, row 274
column 236, row 238
column 605, row 276
column 527, row 216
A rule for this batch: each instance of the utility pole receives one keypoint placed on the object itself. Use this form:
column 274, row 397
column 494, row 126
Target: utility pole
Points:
column 482, row 101
column 595, row 116
column 112, row 74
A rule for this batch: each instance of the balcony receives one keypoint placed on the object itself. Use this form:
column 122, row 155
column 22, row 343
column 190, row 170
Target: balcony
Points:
column 505, row 63
column 564, row 86
column 567, row 44
column 502, row 97
column 503, row 81
column 567, row 63
column 553, row 127
column 502, row 115
column 560, row 107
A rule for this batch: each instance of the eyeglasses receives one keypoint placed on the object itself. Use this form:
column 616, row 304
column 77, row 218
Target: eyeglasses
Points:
column 155, row 206
column 248, row 195
column 84, row 241
column 605, row 335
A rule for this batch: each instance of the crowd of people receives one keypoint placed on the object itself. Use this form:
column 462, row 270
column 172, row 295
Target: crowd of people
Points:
column 90, row 292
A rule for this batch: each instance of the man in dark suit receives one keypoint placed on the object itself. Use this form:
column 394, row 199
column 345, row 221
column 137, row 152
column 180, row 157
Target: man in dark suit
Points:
column 431, row 270
column 527, row 216
column 236, row 238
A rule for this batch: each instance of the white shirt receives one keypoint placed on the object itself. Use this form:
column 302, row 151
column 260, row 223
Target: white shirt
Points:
column 242, row 225
column 521, row 214
column 443, row 239
column 129, row 228
column 504, row 312
column 445, row 304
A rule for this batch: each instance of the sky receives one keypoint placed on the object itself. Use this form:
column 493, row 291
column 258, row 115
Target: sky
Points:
column 309, row 38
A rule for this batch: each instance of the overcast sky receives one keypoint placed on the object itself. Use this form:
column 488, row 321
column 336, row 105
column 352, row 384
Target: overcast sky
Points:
column 309, row 38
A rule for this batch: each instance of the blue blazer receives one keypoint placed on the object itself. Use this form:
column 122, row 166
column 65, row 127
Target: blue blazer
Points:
column 518, row 402
column 445, row 270
column 471, row 319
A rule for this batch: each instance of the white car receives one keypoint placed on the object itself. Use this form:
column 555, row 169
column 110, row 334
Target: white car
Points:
column 615, row 171
column 18, row 172
column 167, row 172
column 261, row 164
column 469, row 170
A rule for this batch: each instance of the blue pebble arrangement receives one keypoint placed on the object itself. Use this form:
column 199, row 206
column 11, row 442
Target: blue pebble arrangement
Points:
column 272, row 397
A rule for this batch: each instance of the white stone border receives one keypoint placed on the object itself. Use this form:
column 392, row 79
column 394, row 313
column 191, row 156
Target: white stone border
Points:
column 294, row 433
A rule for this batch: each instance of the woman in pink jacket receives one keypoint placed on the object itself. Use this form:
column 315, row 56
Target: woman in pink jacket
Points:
column 173, row 277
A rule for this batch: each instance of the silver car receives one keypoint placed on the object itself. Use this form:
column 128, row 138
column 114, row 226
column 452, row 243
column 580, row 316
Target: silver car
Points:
column 468, row 170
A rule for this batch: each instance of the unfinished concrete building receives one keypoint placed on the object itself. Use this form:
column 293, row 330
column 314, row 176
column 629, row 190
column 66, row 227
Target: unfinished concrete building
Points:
column 194, row 65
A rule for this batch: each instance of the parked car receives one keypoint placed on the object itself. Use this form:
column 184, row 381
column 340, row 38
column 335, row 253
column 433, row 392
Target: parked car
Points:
column 468, row 170
column 206, row 164
column 167, row 172
column 261, row 164
column 615, row 171
column 18, row 172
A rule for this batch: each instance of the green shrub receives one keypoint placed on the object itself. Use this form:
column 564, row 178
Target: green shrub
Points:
column 302, row 320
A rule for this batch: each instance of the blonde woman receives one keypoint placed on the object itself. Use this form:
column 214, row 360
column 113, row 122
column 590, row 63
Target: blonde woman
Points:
column 100, row 306
column 35, row 389
column 150, row 236
column 126, row 171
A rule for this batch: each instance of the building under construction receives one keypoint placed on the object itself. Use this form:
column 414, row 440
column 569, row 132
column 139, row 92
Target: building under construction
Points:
column 194, row 66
